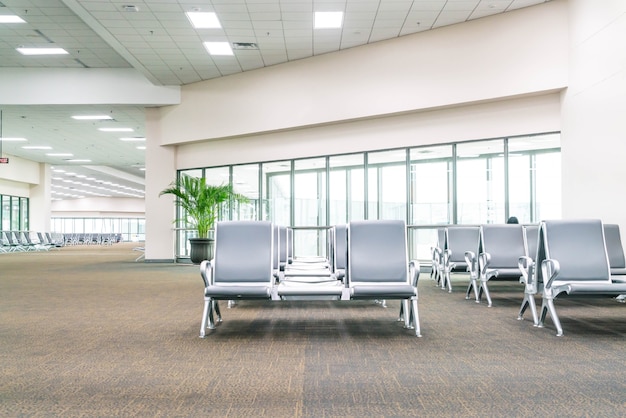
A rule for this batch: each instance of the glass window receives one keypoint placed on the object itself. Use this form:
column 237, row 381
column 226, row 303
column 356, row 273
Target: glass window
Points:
column 480, row 182
column 310, row 192
column 310, row 207
column 246, row 183
column 431, row 185
column 277, row 192
column 386, row 185
column 6, row 213
column 346, row 188
column 466, row 183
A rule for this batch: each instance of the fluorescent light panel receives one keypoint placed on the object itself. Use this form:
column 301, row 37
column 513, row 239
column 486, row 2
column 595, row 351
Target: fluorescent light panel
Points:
column 218, row 48
column 115, row 129
column 328, row 20
column 203, row 20
column 13, row 139
column 59, row 154
column 11, row 19
column 133, row 139
column 36, row 147
column 42, row 51
column 92, row 117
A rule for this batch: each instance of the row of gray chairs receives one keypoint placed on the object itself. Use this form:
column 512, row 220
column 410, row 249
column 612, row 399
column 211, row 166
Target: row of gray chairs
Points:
column 91, row 238
column 482, row 251
column 244, row 267
column 22, row 241
column 591, row 252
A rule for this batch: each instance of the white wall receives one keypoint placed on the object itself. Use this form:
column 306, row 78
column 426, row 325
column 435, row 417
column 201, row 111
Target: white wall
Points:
column 516, row 116
column 594, row 113
column 160, row 210
column 19, row 170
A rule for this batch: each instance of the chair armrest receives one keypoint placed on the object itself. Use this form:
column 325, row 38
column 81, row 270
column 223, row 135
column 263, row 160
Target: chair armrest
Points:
column 484, row 259
column 550, row 269
column 206, row 272
column 448, row 266
column 526, row 266
column 472, row 263
column 414, row 272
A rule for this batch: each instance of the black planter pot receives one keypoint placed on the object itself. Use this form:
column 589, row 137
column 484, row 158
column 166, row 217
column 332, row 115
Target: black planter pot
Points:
column 200, row 249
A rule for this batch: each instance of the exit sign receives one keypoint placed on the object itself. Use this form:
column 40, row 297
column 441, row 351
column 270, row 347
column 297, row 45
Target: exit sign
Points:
column 4, row 160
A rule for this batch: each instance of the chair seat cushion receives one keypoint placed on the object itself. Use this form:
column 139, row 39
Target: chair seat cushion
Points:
column 238, row 292
column 593, row 288
column 383, row 291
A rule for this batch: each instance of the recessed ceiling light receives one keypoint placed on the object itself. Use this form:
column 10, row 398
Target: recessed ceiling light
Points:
column 59, row 154
column 137, row 138
column 328, row 20
column 115, row 129
column 13, row 139
column 11, row 19
column 141, row 147
column 42, row 51
column 203, row 20
column 36, row 147
column 218, row 48
column 78, row 161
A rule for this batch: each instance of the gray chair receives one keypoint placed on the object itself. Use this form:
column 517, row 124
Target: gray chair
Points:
column 379, row 269
column 459, row 240
column 241, row 269
column 572, row 260
column 615, row 249
column 500, row 248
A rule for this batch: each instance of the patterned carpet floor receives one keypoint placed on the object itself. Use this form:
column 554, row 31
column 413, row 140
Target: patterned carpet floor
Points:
column 86, row 331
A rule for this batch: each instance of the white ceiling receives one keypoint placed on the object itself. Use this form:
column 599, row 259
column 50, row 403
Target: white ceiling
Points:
column 158, row 41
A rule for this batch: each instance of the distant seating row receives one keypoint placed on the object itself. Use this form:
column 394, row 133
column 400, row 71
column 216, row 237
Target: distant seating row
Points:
column 248, row 263
column 19, row 241
column 591, row 252
column 92, row 238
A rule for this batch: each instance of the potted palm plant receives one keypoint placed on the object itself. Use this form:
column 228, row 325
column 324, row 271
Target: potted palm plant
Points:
column 200, row 203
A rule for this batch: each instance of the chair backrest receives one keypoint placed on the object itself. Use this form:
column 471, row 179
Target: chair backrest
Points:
column 441, row 238
column 504, row 242
column 243, row 252
column 276, row 250
column 377, row 252
column 341, row 247
column 578, row 246
column 531, row 236
column 282, row 246
column 614, row 246
column 460, row 239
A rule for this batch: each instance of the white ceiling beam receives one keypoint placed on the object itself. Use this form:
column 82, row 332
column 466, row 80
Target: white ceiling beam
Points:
column 47, row 86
